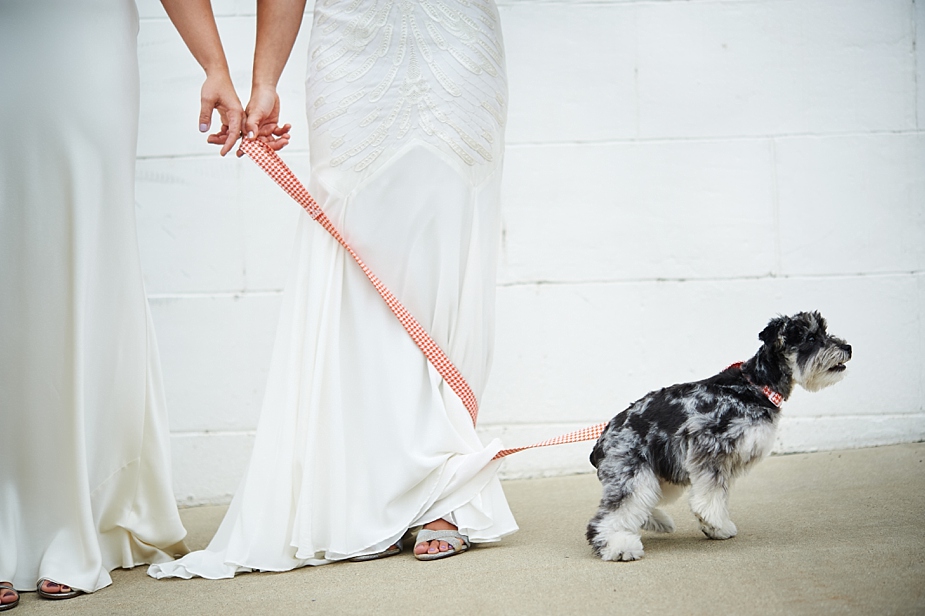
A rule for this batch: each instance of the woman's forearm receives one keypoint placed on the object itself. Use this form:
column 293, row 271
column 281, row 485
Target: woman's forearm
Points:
column 278, row 24
column 195, row 22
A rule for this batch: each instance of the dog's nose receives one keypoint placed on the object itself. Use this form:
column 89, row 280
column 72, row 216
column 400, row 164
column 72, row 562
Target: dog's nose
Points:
column 847, row 348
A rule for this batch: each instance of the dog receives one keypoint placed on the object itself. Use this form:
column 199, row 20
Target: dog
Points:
column 703, row 435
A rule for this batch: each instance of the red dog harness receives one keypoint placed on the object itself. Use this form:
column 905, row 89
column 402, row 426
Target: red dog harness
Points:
column 775, row 398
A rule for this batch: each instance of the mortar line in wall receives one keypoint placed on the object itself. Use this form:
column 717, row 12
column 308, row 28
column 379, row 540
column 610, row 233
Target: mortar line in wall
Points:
column 551, row 425
column 775, row 211
column 218, row 294
column 516, row 423
column 519, row 3
column 197, row 433
column 915, row 61
column 616, row 3
column 513, row 145
column 602, row 281
column 202, row 155
column 636, row 91
column 618, row 141
column 565, row 424
column 913, row 414
column 568, row 424
column 525, row 283
column 218, row 17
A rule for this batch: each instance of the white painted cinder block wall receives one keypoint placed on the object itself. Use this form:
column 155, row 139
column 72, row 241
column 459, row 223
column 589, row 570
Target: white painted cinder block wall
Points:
column 678, row 172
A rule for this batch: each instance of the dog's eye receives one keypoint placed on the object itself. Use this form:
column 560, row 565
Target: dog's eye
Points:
column 811, row 339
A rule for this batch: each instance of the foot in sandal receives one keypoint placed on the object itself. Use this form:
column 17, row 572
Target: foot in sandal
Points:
column 48, row 589
column 9, row 598
column 439, row 539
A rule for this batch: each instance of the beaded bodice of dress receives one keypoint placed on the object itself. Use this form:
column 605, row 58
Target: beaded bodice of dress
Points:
column 384, row 74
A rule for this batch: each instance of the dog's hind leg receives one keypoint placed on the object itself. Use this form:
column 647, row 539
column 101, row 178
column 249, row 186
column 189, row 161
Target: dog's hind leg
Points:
column 659, row 521
column 709, row 501
column 626, row 505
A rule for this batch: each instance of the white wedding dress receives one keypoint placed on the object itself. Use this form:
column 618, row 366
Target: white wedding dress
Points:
column 359, row 439
column 85, row 482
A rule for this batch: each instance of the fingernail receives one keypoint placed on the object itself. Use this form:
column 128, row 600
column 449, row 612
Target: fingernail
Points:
column 203, row 128
column 250, row 134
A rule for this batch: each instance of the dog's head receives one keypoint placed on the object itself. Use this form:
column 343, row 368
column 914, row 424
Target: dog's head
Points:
column 814, row 358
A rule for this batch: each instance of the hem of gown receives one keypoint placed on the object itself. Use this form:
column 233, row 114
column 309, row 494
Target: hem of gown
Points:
column 103, row 578
column 209, row 564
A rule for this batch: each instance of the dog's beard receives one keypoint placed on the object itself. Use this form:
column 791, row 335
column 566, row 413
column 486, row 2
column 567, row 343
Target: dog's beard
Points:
column 824, row 369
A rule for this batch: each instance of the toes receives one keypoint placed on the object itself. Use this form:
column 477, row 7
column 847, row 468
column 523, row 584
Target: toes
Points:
column 427, row 547
column 54, row 588
column 433, row 547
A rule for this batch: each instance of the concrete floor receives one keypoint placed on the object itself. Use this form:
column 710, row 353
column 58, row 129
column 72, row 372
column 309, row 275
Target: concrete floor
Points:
column 833, row 532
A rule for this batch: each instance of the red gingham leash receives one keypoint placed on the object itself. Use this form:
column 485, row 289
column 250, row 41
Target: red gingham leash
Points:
column 270, row 162
column 274, row 166
column 591, row 433
column 775, row 398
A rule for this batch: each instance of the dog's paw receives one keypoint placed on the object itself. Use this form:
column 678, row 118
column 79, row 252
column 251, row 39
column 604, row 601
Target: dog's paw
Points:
column 622, row 546
column 659, row 522
column 727, row 530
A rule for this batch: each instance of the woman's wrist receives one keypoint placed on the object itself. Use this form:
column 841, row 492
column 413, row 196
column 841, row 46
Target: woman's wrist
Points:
column 217, row 70
column 264, row 83
column 264, row 89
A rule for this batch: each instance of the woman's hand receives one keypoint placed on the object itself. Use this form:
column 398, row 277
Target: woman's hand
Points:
column 218, row 94
column 262, row 119
column 196, row 24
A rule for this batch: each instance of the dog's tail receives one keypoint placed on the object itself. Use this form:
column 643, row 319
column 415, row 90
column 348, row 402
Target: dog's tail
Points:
column 597, row 453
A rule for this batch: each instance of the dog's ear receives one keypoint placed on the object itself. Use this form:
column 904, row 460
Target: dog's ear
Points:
column 802, row 325
column 774, row 332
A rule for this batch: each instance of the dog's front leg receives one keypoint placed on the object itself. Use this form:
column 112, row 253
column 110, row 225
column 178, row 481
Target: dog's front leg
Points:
column 709, row 500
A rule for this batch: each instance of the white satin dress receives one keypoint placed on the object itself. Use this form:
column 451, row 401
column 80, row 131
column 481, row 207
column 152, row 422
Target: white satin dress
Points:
column 85, row 481
column 359, row 438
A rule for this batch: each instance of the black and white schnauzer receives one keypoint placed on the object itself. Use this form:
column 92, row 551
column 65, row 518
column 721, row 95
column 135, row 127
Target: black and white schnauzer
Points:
column 704, row 435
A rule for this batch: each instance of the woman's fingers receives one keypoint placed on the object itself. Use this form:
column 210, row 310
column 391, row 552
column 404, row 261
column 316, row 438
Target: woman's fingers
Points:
column 279, row 143
column 205, row 115
column 218, row 95
column 262, row 121
column 252, row 124
column 233, row 130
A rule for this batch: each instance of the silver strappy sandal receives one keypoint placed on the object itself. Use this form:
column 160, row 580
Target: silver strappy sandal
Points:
column 458, row 542
column 55, row 596
column 11, row 604
column 392, row 550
